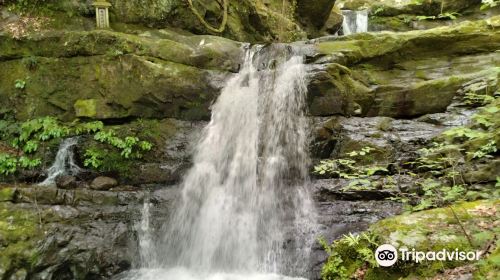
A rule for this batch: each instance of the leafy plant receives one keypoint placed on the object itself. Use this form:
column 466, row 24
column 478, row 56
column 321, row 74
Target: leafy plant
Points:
column 30, row 135
column 473, row 99
column 9, row 164
column 488, row 4
column 350, row 248
column 93, row 158
column 485, row 150
column 20, row 84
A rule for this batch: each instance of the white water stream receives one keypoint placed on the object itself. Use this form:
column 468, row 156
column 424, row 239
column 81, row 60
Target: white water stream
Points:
column 64, row 163
column 245, row 212
column 355, row 21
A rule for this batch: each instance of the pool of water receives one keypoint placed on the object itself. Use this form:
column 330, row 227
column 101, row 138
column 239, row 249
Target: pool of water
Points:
column 184, row 274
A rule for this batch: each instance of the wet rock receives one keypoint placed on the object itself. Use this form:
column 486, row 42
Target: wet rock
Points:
column 54, row 233
column 102, row 183
column 338, row 189
column 66, row 182
column 483, row 173
column 393, row 140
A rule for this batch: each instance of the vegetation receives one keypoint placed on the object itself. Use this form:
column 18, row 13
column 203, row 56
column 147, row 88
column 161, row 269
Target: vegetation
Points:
column 466, row 227
column 440, row 171
column 358, row 248
column 26, row 139
column 487, row 4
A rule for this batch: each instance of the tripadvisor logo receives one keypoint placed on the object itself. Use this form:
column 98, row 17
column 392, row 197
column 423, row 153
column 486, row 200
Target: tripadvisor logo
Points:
column 387, row 255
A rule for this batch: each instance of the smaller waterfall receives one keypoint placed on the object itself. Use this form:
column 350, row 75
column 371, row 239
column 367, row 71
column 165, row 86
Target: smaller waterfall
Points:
column 146, row 243
column 355, row 21
column 64, row 163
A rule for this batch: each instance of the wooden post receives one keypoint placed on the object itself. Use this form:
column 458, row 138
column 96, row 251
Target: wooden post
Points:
column 102, row 14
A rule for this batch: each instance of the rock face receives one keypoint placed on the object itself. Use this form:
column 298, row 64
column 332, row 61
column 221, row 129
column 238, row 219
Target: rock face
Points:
column 408, row 15
column 402, row 74
column 316, row 14
column 108, row 75
column 67, row 234
column 435, row 230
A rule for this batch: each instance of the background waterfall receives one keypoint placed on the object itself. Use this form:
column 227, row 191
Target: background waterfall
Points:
column 355, row 21
column 245, row 207
column 64, row 163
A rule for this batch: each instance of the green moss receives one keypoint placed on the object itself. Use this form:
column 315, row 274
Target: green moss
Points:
column 431, row 230
column 489, row 268
column 86, row 108
column 19, row 234
column 463, row 38
column 7, row 194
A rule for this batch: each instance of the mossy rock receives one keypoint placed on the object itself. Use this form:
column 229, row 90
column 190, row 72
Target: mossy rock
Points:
column 102, row 87
column 396, row 7
column 401, row 75
column 431, row 230
column 19, row 234
column 466, row 38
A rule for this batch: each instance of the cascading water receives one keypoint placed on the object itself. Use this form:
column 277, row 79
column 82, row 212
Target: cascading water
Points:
column 245, row 211
column 355, row 21
column 64, row 163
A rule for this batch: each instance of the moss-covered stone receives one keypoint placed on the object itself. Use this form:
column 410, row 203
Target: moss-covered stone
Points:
column 19, row 234
column 431, row 230
column 402, row 74
column 461, row 39
column 396, row 7
column 102, row 87
column 7, row 194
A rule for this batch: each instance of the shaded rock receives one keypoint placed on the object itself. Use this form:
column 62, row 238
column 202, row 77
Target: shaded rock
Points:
column 73, row 234
column 334, row 22
column 483, row 173
column 102, row 183
column 393, row 140
column 339, row 217
column 338, row 189
column 66, row 182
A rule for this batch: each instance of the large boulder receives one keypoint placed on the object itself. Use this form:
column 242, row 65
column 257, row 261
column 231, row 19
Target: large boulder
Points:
column 110, row 75
column 103, row 183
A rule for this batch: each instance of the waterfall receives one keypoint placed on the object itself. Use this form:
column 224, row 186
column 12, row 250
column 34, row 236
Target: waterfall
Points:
column 245, row 210
column 64, row 163
column 146, row 242
column 355, row 21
